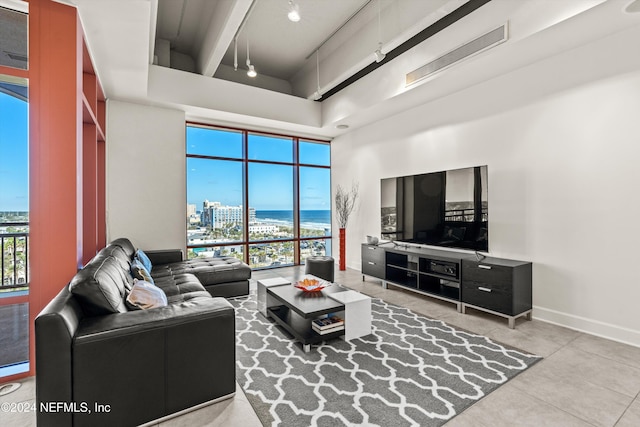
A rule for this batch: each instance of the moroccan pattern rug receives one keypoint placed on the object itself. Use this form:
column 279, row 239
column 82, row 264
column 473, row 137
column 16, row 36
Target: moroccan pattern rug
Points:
column 411, row 371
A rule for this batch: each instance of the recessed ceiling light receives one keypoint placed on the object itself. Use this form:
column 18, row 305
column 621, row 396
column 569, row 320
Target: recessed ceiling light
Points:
column 342, row 126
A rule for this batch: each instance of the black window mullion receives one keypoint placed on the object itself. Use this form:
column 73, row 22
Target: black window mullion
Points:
column 295, row 164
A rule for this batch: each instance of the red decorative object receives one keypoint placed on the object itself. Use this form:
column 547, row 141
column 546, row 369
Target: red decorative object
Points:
column 310, row 285
column 343, row 249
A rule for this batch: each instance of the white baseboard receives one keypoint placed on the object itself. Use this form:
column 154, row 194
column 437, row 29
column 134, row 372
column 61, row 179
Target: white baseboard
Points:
column 589, row 326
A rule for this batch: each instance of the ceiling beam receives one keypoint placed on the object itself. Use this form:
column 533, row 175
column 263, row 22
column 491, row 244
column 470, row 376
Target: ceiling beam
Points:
column 225, row 21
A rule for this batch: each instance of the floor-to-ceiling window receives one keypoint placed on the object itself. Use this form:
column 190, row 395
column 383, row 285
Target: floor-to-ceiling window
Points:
column 263, row 198
column 14, row 192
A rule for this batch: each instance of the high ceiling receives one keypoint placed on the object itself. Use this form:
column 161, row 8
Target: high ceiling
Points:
column 278, row 46
column 282, row 50
column 126, row 37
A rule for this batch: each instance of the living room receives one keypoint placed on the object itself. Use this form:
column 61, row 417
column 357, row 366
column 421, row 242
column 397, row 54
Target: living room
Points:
column 550, row 111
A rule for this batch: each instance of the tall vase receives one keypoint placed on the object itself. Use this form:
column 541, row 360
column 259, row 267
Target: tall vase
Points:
column 343, row 249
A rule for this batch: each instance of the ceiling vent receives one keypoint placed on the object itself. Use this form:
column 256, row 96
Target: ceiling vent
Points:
column 482, row 43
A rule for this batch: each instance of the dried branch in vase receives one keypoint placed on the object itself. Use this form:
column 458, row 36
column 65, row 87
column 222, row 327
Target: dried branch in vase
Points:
column 345, row 203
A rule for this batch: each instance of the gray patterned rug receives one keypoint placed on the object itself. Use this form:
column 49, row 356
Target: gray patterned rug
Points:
column 411, row 371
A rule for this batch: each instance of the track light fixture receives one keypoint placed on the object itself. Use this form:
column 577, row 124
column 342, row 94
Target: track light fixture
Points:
column 251, row 72
column 294, row 12
column 317, row 95
column 378, row 53
column 235, row 53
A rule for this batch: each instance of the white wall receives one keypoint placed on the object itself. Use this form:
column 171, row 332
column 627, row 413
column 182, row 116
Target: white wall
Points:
column 146, row 188
column 561, row 141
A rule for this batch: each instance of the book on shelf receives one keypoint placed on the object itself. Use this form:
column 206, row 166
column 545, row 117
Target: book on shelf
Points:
column 328, row 330
column 327, row 322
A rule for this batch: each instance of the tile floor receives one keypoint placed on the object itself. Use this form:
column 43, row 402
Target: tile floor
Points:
column 583, row 380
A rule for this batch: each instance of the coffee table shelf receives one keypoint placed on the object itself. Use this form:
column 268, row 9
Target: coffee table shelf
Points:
column 299, row 327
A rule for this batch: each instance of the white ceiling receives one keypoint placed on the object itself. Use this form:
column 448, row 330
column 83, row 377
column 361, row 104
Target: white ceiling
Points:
column 278, row 46
column 281, row 49
column 121, row 35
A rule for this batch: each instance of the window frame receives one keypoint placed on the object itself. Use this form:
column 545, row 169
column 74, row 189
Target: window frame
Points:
column 246, row 242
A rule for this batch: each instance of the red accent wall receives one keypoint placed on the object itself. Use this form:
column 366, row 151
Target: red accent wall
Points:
column 89, row 192
column 66, row 161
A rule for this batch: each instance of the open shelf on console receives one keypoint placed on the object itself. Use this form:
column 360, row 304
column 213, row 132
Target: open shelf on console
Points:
column 426, row 272
column 402, row 276
column 438, row 286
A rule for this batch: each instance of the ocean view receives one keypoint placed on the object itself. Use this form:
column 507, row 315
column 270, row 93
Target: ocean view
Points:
column 308, row 218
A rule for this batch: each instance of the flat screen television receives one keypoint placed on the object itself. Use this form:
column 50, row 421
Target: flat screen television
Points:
column 447, row 208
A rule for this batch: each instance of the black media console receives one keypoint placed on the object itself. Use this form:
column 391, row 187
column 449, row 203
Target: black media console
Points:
column 498, row 286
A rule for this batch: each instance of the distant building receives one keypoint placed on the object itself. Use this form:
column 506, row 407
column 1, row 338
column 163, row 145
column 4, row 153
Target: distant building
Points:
column 218, row 216
column 262, row 228
column 193, row 217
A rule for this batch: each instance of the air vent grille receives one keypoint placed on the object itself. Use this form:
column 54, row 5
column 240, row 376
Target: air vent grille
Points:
column 482, row 43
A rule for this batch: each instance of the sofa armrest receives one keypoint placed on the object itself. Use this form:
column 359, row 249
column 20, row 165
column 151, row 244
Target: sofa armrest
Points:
column 55, row 328
column 158, row 361
column 164, row 256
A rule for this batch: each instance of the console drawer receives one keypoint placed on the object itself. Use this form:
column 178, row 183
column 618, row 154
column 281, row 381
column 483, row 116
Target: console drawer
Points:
column 373, row 261
column 492, row 296
column 372, row 253
column 478, row 271
column 373, row 268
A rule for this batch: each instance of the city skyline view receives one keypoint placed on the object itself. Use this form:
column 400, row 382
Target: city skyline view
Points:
column 270, row 185
column 235, row 176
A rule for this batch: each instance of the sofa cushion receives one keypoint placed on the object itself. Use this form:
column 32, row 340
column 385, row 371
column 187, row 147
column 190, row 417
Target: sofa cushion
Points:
column 209, row 271
column 179, row 284
column 101, row 286
column 126, row 245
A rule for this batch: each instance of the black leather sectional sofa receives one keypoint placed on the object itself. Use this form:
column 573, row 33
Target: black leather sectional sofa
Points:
column 98, row 363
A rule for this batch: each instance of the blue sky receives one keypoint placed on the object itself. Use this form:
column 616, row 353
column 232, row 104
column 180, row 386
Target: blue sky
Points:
column 14, row 166
column 270, row 185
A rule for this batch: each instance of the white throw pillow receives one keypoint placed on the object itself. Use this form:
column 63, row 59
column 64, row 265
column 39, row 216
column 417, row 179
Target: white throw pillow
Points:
column 145, row 295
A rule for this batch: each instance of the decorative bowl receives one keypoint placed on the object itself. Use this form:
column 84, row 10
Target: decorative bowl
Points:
column 372, row 240
column 310, row 285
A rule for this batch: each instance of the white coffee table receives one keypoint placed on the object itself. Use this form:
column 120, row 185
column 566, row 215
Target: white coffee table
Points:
column 357, row 313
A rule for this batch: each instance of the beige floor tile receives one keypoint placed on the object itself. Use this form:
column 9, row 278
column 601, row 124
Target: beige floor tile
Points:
column 22, row 413
column 397, row 297
column 26, row 391
column 610, row 349
column 509, row 407
column 631, row 418
column 430, row 307
column 465, row 419
column 19, row 419
column 570, row 362
column 474, row 321
column 590, row 402
column 535, row 337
